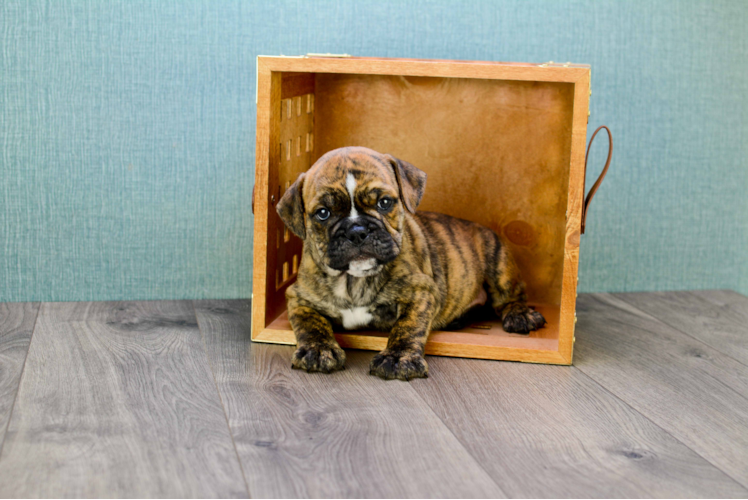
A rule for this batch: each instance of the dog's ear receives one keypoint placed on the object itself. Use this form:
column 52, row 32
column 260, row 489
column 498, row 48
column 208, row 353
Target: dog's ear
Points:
column 291, row 208
column 411, row 181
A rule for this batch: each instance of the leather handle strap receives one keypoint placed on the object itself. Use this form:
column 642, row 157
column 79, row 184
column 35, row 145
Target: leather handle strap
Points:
column 599, row 180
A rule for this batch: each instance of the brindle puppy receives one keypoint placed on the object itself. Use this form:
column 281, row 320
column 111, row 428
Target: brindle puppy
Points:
column 370, row 260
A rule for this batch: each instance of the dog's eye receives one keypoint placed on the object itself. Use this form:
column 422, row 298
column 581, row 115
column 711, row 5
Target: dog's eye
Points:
column 322, row 214
column 385, row 204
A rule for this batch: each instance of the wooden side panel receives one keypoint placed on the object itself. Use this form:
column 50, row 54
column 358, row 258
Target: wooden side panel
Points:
column 296, row 139
column 285, row 127
column 574, row 218
column 496, row 152
column 294, row 146
column 296, row 84
column 274, row 224
column 268, row 116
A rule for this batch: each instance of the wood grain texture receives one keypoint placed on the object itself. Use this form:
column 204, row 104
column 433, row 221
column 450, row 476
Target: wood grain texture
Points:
column 574, row 209
column 692, row 391
column 117, row 400
column 522, row 149
column 16, row 327
column 345, row 434
column 719, row 318
column 493, row 70
column 266, row 153
column 544, row 431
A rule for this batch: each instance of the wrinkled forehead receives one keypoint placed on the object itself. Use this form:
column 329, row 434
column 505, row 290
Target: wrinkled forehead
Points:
column 334, row 170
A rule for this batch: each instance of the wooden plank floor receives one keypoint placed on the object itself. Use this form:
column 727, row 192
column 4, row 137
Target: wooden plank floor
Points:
column 340, row 435
column 117, row 399
column 16, row 325
column 171, row 398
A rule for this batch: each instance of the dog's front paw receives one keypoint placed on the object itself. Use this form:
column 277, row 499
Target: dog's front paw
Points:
column 319, row 358
column 404, row 365
column 519, row 318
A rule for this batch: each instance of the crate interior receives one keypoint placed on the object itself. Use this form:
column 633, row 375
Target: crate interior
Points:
column 495, row 151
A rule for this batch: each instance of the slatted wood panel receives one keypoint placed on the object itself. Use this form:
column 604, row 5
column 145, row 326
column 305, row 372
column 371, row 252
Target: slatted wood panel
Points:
column 292, row 117
column 117, row 400
column 697, row 394
column 16, row 325
column 346, row 434
column 295, row 147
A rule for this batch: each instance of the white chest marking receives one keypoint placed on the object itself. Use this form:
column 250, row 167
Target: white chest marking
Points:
column 350, row 185
column 355, row 317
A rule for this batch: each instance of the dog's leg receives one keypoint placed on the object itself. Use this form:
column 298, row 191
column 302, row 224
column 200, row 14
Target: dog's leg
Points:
column 403, row 358
column 317, row 350
column 507, row 290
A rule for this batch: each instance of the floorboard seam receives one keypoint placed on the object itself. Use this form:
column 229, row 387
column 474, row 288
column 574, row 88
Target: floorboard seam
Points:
column 459, row 441
column 613, row 394
column 619, row 296
column 20, row 379
column 220, row 399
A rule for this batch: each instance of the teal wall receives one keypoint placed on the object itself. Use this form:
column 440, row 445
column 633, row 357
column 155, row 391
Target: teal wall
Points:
column 127, row 132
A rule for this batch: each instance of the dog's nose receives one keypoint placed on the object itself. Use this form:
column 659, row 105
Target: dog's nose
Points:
column 356, row 234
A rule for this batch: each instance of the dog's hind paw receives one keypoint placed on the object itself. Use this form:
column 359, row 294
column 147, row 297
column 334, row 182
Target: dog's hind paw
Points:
column 518, row 317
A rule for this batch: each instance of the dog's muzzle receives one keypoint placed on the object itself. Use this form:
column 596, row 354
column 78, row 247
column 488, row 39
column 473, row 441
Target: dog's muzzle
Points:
column 360, row 238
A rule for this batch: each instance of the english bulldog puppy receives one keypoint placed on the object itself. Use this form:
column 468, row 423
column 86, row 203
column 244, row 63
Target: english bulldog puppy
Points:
column 370, row 260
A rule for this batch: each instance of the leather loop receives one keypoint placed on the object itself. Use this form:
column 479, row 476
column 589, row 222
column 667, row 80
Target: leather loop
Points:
column 599, row 180
column 254, row 188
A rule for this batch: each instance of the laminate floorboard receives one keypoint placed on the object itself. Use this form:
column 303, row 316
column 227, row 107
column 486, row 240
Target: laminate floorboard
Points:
column 117, row 400
column 131, row 399
column 16, row 326
column 551, row 431
column 719, row 318
column 346, row 434
column 692, row 391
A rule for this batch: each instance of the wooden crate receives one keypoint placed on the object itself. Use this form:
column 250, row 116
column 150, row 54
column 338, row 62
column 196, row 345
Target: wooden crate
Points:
column 502, row 144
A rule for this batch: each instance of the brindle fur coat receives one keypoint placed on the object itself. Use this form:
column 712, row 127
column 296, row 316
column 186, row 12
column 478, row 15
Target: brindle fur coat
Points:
column 370, row 260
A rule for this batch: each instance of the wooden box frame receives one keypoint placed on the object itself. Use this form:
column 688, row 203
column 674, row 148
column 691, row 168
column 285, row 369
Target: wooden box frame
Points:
column 306, row 101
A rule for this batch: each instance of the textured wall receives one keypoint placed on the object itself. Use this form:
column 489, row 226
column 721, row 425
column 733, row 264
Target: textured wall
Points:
column 127, row 132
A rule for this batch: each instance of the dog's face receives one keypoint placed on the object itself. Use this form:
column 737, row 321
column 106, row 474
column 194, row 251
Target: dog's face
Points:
column 350, row 206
